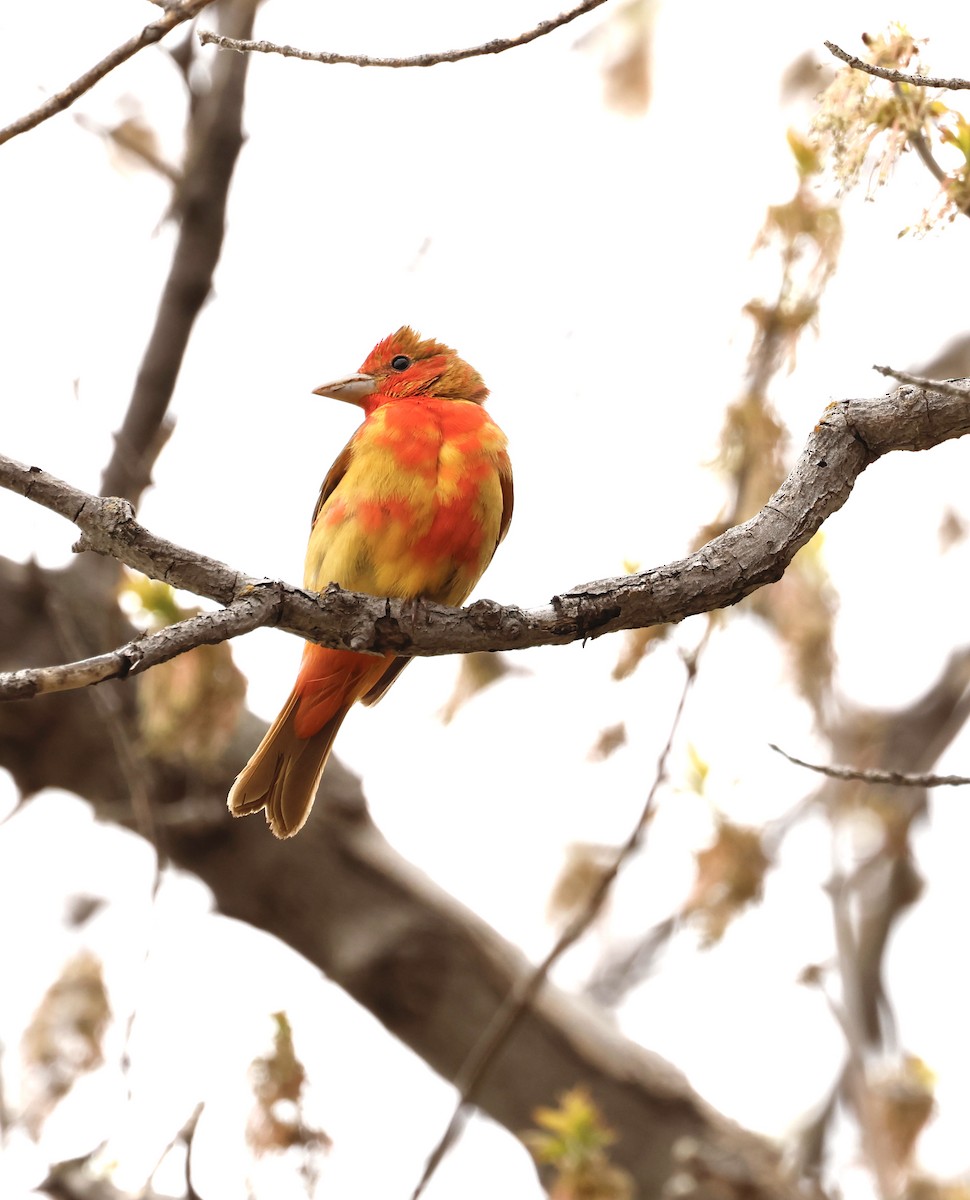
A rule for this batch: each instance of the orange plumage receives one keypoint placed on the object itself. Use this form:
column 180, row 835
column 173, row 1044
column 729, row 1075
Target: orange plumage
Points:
column 414, row 507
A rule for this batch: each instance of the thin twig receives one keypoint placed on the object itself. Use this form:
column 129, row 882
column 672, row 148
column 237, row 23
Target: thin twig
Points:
column 185, row 1135
column 151, row 34
column 507, row 1016
column 919, row 143
column 249, row 612
column 874, row 776
column 946, row 387
column 495, row 46
column 894, row 76
column 917, row 139
column 129, row 761
column 106, row 704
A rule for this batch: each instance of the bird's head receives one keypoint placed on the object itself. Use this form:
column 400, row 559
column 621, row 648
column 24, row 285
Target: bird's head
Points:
column 405, row 366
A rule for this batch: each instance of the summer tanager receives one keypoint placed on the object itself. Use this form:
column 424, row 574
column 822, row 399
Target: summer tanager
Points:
column 414, row 507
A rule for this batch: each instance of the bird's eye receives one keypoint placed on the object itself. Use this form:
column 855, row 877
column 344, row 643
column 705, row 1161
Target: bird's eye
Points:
column 400, row 362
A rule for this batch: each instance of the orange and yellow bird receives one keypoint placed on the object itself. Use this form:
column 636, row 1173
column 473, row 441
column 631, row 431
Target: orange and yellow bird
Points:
column 414, row 507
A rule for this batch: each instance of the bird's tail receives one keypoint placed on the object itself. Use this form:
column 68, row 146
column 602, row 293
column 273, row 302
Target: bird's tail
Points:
column 285, row 770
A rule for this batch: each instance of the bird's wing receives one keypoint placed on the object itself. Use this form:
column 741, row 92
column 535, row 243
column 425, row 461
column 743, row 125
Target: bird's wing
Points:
column 334, row 476
column 508, row 499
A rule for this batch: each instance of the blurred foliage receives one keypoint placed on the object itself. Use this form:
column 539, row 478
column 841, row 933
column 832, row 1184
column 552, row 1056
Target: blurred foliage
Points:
column 922, row 1188
column 698, row 770
column 276, row 1121
column 608, row 742
column 624, row 42
column 954, row 528
column 150, row 603
column 132, row 142
column 801, row 609
column 861, row 116
column 582, row 874
column 749, row 457
column 573, row 1140
column 188, row 707
column 804, row 235
column 64, row 1039
column 475, row 673
column 730, row 875
column 903, row 1102
column 636, row 645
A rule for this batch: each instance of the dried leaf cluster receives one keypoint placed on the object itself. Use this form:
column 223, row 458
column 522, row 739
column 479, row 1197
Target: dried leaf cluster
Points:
column 866, row 120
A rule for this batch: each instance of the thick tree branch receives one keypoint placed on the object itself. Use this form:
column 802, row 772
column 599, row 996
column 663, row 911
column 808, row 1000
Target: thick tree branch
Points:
column 894, row 76
column 881, row 888
column 214, row 141
column 436, row 975
column 851, row 435
column 495, row 46
column 151, row 34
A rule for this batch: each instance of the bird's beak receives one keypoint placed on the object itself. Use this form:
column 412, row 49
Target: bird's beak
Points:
column 353, row 389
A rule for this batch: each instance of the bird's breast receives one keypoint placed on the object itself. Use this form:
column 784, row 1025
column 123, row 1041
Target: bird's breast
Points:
column 419, row 509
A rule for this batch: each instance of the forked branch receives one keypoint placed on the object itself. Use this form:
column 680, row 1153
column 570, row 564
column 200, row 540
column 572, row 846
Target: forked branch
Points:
column 151, row 34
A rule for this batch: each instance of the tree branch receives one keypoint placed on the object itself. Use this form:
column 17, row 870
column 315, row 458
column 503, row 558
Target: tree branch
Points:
column 433, row 973
column 249, row 612
column 895, row 76
column 495, row 1037
column 151, row 34
column 495, row 46
column 917, row 139
column 873, row 775
column 851, row 1014
column 436, row 975
column 214, row 141
column 851, row 435
column 959, row 390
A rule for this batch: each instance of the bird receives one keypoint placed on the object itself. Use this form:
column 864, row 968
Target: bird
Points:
column 414, row 507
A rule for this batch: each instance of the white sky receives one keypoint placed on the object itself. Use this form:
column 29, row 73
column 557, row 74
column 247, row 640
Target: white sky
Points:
column 593, row 267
